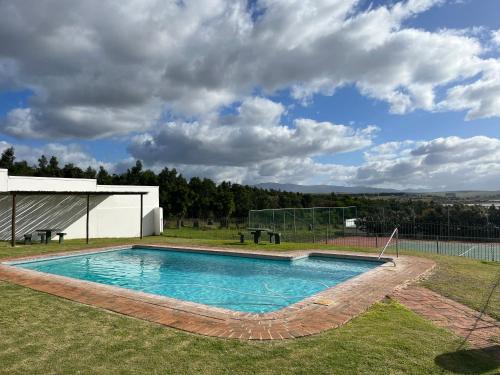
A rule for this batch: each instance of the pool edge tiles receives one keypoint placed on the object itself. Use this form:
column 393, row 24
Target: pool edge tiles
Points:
column 308, row 316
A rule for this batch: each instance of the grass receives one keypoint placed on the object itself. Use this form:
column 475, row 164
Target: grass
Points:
column 471, row 282
column 40, row 333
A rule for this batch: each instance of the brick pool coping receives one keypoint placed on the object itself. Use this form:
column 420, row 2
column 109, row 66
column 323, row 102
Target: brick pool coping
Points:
column 322, row 311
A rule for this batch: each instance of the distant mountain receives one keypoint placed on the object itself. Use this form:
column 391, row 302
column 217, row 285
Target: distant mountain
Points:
column 324, row 189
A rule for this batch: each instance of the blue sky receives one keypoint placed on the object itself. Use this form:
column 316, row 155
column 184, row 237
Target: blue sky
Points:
column 92, row 95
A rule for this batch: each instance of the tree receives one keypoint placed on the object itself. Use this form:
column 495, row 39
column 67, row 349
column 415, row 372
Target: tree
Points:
column 174, row 194
column 134, row 174
column 180, row 196
column 7, row 158
column 22, row 168
column 148, row 178
column 53, row 169
column 103, row 177
column 242, row 200
column 224, row 205
column 89, row 173
column 72, row 171
column 262, row 199
column 43, row 166
column 306, row 200
column 203, row 196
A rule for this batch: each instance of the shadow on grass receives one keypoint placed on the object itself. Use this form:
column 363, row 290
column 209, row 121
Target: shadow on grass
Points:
column 471, row 361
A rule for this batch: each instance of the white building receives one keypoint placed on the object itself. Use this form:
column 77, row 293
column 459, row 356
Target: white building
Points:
column 79, row 207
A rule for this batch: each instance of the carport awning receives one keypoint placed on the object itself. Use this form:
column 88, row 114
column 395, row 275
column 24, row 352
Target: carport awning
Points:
column 86, row 193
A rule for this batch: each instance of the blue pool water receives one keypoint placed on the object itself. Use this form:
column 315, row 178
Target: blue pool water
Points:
column 243, row 284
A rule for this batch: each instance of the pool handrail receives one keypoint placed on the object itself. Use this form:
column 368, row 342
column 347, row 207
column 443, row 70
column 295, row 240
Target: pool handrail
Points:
column 388, row 242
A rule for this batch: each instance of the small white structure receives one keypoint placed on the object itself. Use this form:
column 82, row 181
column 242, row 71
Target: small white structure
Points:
column 350, row 223
column 79, row 207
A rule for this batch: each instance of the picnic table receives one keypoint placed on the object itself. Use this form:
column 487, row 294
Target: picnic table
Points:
column 256, row 232
column 47, row 232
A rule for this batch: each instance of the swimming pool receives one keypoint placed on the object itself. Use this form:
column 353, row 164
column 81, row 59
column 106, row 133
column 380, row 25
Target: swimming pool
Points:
column 245, row 284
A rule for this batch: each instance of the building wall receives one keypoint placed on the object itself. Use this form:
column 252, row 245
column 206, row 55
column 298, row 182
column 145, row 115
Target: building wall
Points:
column 3, row 180
column 110, row 216
column 50, row 183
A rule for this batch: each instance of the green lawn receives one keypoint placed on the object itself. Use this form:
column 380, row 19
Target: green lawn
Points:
column 471, row 282
column 44, row 334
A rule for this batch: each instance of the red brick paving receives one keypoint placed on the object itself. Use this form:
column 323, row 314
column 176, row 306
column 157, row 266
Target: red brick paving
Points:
column 480, row 330
column 325, row 310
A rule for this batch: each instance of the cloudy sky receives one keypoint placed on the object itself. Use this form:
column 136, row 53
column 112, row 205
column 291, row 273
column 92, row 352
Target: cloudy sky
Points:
column 401, row 94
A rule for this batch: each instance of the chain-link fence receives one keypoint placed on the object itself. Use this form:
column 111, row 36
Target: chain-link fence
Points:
column 316, row 224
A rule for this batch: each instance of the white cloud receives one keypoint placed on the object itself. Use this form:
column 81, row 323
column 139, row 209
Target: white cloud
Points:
column 65, row 153
column 442, row 163
column 495, row 37
column 300, row 170
column 105, row 68
column 481, row 98
column 82, row 121
column 449, row 163
column 253, row 136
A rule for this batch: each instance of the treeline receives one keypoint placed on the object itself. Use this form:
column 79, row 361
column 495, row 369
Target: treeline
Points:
column 203, row 198
column 179, row 197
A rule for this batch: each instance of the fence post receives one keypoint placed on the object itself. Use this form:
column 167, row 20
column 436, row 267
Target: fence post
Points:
column 294, row 227
column 437, row 244
column 328, row 226
column 343, row 222
column 397, row 244
column 284, row 221
column 314, row 228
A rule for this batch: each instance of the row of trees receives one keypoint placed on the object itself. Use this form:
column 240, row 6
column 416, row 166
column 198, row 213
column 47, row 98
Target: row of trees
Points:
column 203, row 198
column 179, row 197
